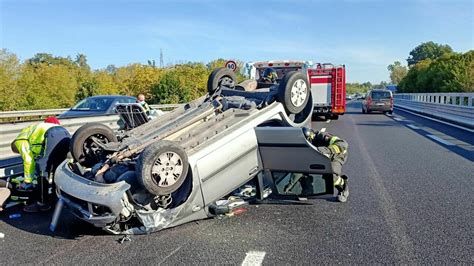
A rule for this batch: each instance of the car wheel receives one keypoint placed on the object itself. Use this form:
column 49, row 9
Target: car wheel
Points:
column 363, row 110
column 390, row 112
column 220, row 76
column 334, row 117
column 162, row 167
column 293, row 92
column 84, row 148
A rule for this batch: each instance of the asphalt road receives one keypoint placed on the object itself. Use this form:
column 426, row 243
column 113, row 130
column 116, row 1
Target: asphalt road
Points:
column 411, row 201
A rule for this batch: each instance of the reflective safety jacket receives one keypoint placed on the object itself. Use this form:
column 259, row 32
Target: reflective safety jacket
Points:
column 34, row 134
column 146, row 107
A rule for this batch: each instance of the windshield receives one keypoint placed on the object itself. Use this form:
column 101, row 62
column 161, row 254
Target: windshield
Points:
column 380, row 95
column 93, row 104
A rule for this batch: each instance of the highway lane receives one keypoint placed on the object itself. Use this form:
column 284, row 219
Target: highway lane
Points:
column 411, row 202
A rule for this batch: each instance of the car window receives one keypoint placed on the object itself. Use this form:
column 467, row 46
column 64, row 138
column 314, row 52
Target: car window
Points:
column 126, row 100
column 93, row 104
column 379, row 95
column 298, row 183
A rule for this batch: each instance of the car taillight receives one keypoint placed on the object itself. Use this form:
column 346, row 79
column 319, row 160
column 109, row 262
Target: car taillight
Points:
column 391, row 101
column 369, row 100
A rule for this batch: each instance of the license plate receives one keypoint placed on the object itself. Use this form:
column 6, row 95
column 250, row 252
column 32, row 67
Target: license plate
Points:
column 380, row 104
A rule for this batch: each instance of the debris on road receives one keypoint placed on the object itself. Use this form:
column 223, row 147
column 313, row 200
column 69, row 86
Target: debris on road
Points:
column 2, row 235
column 125, row 238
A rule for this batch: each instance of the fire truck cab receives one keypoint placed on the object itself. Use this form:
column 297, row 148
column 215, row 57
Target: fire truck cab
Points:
column 327, row 81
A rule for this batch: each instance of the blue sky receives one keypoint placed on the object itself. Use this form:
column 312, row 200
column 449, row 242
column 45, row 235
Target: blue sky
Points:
column 366, row 36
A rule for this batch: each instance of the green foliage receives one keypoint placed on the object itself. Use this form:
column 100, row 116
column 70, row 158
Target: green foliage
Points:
column 397, row 72
column 169, row 90
column 451, row 72
column 10, row 70
column 352, row 88
column 427, row 50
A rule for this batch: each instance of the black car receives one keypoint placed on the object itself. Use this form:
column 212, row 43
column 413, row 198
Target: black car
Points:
column 97, row 105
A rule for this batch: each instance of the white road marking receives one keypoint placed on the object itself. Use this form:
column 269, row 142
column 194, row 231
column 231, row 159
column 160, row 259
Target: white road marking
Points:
column 323, row 129
column 169, row 255
column 254, row 258
column 397, row 119
column 440, row 140
column 328, row 121
column 412, row 126
column 437, row 120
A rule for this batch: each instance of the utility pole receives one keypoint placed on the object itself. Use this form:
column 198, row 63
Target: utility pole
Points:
column 161, row 58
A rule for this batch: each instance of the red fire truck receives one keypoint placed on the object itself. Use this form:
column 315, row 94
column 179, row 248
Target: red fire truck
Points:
column 327, row 81
column 328, row 87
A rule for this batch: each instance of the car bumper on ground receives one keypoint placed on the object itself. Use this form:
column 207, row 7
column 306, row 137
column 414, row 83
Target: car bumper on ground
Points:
column 97, row 203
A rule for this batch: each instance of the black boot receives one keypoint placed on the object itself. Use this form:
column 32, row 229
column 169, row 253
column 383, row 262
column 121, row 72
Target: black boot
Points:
column 343, row 190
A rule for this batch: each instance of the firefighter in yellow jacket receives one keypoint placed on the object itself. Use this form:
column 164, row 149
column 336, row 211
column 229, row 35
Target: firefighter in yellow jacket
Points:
column 29, row 144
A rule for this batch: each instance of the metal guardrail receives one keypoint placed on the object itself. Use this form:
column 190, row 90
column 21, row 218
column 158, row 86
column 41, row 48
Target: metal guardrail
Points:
column 457, row 108
column 457, row 99
column 8, row 132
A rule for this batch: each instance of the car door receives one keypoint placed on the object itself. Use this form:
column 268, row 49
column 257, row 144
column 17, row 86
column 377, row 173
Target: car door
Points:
column 291, row 164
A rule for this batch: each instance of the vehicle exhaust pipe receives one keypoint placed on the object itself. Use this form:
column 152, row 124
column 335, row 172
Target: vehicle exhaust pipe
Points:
column 56, row 214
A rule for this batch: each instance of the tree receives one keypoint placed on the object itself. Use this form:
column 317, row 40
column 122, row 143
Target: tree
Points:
column 169, row 90
column 45, row 86
column 413, row 82
column 81, row 61
column 10, row 71
column 49, row 59
column 397, row 72
column 427, row 50
column 381, row 85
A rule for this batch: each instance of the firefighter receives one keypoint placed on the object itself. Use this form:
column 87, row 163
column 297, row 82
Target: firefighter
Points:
column 336, row 150
column 29, row 144
column 141, row 101
column 269, row 76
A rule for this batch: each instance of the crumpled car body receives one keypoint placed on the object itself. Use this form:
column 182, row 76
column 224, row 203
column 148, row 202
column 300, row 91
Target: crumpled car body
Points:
column 227, row 139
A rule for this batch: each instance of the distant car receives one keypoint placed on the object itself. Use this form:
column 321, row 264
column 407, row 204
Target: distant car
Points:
column 348, row 97
column 97, row 105
column 378, row 101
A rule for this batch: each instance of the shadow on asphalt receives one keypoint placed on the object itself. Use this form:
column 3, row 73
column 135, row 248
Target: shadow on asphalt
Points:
column 69, row 227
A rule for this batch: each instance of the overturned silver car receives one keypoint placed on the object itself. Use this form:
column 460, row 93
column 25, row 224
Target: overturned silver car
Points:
column 172, row 169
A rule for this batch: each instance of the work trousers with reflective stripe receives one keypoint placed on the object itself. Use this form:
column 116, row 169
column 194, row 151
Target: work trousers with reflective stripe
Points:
column 338, row 156
column 28, row 157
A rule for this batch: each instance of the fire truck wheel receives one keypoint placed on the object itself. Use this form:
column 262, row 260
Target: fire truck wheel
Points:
column 293, row 92
column 162, row 167
column 84, row 148
column 220, row 76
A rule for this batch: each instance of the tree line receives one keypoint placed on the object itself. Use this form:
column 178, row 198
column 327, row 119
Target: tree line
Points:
column 46, row 81
column 434, row 67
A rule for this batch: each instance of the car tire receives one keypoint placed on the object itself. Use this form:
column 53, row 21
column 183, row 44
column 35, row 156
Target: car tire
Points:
column 294, row 92
column 84, row 150
column 334, row 117
column 219, row 76
column 363, row 110
column 156, row 161
column 390, row 112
